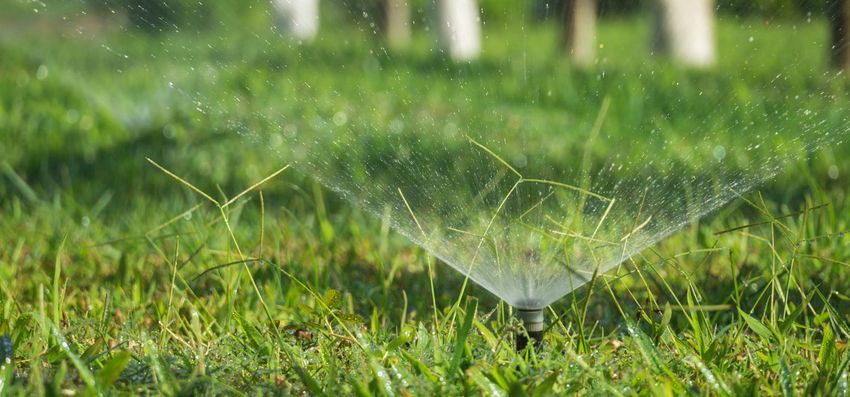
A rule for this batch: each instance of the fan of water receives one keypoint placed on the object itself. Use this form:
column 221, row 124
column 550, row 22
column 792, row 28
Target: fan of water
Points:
column 526, row 169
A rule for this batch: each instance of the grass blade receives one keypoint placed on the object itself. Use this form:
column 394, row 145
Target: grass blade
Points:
column 463, row 333
column 756, row 326
column 113, row 368
column 85, row 373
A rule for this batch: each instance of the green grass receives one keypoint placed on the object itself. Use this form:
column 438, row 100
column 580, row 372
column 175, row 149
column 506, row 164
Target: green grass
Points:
column 115, row 277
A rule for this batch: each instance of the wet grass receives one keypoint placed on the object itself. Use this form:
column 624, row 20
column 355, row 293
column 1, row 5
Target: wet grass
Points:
column 342, row 306
column 115, row 277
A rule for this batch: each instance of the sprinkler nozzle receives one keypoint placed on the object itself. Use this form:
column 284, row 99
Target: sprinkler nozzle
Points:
column 532, row 322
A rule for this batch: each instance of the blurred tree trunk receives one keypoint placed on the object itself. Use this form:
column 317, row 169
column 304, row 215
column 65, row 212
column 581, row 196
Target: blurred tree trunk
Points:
column 398, row 22
column 579, row 30
column 684, row 30
column 839, row 18
column 299, row 18
column 460, row 28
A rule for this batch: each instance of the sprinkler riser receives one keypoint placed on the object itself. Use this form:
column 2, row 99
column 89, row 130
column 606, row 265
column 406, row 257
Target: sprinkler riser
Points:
column 532, row 322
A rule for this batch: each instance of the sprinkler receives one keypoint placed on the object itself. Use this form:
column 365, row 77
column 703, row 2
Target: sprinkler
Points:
column 532, row 323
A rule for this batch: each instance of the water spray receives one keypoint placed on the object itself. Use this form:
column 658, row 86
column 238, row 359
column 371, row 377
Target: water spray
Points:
column 532, row 323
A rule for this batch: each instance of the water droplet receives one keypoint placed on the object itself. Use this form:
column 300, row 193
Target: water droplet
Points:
column 340, row 118
column 833, row 172
column 719, row 152
column 41, row 73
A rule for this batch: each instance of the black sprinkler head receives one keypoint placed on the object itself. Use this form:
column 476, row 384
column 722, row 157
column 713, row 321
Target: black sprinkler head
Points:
column 532, row 322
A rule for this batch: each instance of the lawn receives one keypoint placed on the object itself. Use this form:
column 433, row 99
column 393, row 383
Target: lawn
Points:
column 131, row 262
